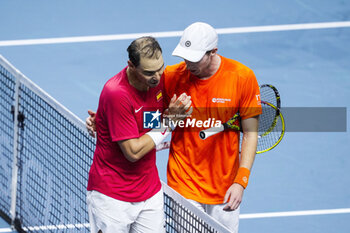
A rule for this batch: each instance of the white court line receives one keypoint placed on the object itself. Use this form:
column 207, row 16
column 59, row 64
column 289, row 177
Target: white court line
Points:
column 233, row 30
column 294, row 213
column 55, row 227
column 241, row 216
column 6, row 230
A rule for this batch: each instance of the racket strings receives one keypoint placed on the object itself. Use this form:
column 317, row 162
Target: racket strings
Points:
column 270, row 95
column 266, row 119
column 271, row 121
column 271, row 139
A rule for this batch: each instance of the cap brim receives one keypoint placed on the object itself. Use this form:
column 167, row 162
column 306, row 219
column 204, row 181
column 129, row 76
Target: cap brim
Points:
column 187, row 54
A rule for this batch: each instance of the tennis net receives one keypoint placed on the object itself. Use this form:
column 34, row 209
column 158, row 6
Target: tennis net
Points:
column 45, row 157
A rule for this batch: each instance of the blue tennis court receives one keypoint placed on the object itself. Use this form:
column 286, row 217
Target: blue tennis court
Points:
column 71, row 48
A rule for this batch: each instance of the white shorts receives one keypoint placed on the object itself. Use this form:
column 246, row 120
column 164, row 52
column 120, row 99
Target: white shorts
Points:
column 230, row 219
column 112, row 216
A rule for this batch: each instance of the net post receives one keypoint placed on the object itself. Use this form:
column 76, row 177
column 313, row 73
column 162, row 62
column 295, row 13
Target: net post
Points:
column 15, row 165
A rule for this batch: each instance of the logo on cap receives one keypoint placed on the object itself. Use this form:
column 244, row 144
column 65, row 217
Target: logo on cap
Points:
column 188, row 43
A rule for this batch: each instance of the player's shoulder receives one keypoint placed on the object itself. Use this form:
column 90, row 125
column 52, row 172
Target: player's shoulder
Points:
column 116, row 87
column 239, row 70
column 236, row 66
column 177, row 67
column 175, row 70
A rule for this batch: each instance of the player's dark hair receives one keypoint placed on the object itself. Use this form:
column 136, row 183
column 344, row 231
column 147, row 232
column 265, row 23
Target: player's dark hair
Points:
column 146, row 46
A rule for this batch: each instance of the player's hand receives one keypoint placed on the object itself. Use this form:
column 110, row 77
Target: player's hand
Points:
column 179, row 108
column 90, row 123
column 233, row 197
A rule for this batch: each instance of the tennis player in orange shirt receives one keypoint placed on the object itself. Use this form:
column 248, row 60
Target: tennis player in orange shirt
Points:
column 212, row 173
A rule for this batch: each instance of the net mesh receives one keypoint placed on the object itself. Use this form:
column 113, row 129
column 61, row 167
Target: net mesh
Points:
column 7, row 87
column 54, row 157
column 180, row 219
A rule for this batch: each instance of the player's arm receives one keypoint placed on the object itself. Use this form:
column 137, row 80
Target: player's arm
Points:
column 234, row 194
column 249, row 142
column 90, row 123
column 177, row 106
column 134, row 149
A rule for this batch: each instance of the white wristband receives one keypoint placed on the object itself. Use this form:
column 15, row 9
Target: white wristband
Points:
column 158, row 135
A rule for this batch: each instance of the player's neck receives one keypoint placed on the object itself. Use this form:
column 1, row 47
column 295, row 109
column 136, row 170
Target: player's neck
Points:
column 212, row 68
column 133, row 81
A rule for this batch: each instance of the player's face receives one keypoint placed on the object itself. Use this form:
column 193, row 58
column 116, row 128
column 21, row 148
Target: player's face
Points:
column 150, row 70
column 200, row 68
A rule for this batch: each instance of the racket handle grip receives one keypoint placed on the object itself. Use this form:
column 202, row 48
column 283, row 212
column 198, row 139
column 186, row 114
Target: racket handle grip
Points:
column 204, row 134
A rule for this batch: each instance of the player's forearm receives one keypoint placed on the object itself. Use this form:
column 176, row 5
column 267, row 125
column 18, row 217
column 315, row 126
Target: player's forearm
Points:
column 248, row 149
column 249, row 141
column 134, row 149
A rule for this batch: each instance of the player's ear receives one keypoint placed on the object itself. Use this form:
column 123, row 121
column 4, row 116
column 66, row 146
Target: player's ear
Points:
column 131, row 65
column 214, row 51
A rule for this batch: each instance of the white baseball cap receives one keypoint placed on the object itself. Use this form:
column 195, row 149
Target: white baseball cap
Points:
column 196, row 40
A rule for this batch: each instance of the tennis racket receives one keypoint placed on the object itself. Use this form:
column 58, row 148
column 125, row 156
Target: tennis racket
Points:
column 271, row 121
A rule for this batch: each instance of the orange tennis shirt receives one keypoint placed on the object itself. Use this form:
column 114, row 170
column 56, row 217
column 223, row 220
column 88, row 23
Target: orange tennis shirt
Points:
column 203, row 170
